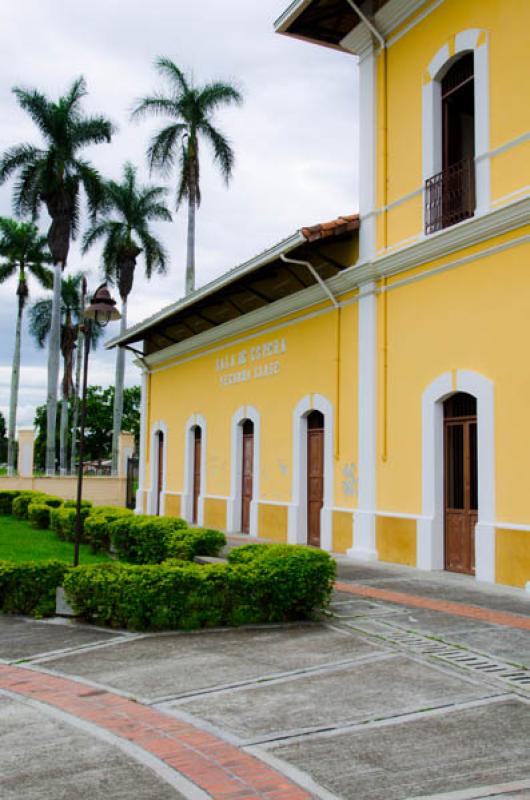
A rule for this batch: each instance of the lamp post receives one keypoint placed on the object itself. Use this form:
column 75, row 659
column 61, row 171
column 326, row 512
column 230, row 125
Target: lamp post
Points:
column 101, row 311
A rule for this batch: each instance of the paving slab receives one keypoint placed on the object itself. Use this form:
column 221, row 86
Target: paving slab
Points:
column 433, row 753
column 23, row 638
column 168, row 665
column 367, row 691
column 442, row 586
column 42, row 758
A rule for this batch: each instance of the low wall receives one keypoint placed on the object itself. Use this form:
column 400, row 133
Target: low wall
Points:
column 103, row 491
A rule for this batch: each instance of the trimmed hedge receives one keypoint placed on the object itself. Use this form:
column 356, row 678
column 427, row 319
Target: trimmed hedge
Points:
column 62, row 522
column 39, row 515
column 271, row 584
column 97, row 525
column 141, row 539
column 6, row 500
column 21, row 503
column 29, row 587
column 73, row 504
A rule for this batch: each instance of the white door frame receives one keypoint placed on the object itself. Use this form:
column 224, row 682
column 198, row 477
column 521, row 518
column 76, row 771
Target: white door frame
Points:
column 297, row 520
column 186, row 501
column 430, row 527
column 158, row 427
column 233, row 506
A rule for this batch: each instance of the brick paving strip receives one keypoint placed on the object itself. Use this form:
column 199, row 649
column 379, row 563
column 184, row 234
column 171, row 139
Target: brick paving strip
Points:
column 446, row 606
column 218, row 768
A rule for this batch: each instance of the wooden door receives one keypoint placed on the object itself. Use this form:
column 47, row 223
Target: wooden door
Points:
column 196, row 473
column 461, row 486
column 160, row 470
column 315, row 476
column 247, row 474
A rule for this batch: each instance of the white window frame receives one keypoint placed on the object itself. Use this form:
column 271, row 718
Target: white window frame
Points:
column 233, row 506
column 158, row 427
column 297, row 520
column 186, row 501
column 476, row 41
column 430, row 530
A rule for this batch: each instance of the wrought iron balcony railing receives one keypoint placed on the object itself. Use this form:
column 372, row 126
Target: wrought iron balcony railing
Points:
column 450, row 196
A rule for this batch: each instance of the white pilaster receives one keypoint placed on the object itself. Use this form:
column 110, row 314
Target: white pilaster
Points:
column 368, row 153
column 140, row 499
column 364, row 543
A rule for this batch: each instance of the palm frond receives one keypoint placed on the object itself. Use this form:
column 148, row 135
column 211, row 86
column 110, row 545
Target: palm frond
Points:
column 92, row 130
column 40, row 320
column 169, row 69
column 217, row 94
column 222, row 151
column 163, row 150
column 7, row 270
column 158, row 105
column 38, row 107
column 21, row 155
column 42, row 274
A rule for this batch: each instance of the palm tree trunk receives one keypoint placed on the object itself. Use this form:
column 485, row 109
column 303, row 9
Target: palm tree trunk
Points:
column 190, row 260
column 13, row 399
column 54, row 353
column 63, row 439
column 118, row 391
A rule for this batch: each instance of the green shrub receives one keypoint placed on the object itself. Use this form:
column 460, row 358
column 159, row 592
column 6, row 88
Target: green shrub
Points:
column 62, row 522
column 73, row 503
column 142, row 539
column 29, row 588
column 39, row 515
column 97, row 525
column 21, row 503
column 6, row 500
column 268, row 584
column 51, row 501
column 207, row 541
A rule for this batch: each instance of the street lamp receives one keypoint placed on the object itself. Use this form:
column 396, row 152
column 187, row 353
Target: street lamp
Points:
column 100, row 312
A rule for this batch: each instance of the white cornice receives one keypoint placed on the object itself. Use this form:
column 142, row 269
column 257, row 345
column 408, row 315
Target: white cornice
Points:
column 290, row 14
column 466, row 234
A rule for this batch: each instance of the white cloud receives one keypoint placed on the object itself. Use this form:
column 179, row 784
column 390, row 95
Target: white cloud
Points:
column 295, row 137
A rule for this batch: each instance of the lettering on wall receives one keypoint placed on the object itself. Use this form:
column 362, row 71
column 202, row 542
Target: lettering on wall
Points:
column 251, row 363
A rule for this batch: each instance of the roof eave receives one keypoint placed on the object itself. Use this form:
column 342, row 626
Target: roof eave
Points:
column 132, row 334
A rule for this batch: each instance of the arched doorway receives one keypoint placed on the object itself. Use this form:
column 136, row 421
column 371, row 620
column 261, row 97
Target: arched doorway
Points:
column 315, row 475
column 197, row 445
column 159, row 471
column 460, row 482
column 247, row 472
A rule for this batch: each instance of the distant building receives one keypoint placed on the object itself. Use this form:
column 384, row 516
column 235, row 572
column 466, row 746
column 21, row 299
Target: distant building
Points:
column 374, row 399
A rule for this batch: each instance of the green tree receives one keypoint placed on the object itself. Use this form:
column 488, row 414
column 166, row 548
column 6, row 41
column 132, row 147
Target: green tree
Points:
column 191, row 109
column 126, row 232
column 3, row 439
column 40, row 321
column 53, row 175
column 23, row 252
column 98, row 431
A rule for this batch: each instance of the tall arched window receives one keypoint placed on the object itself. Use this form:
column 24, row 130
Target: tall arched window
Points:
column 450, row 193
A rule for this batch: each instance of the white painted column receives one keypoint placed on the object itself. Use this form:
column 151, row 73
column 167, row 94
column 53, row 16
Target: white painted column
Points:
column 367, row 153
column 482, row 129
column 140, row 499
column 364, row 543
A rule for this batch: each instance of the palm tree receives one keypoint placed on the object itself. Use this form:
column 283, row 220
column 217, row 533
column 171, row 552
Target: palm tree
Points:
column 124, row 227
column 53, row 175
column 23, row 251
column 191, row 109
column 40, row 325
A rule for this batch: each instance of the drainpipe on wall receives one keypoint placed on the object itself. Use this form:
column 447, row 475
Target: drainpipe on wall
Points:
column 325, row 288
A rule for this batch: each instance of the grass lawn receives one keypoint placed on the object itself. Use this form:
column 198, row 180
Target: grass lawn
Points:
column 20, row 542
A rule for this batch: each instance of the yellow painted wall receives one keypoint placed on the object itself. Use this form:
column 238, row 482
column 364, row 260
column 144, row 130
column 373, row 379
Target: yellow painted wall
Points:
column 408, row 58
column 396, row 540
column 475, row 317
column 512, row 557
column 308, row 366
column 342, row 531
column 172, row 505
column 272, row 522
column 214, row 513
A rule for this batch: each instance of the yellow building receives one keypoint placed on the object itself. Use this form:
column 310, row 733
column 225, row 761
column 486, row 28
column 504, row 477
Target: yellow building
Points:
column 372, row 397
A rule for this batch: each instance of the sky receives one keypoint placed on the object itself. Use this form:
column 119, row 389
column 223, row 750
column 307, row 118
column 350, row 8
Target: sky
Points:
column 295, row 137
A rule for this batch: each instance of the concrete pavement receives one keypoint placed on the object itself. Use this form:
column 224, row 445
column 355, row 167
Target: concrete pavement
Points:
column 381, row 699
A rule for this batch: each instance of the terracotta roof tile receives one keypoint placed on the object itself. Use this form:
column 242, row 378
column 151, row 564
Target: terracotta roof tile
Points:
column 336, row 227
